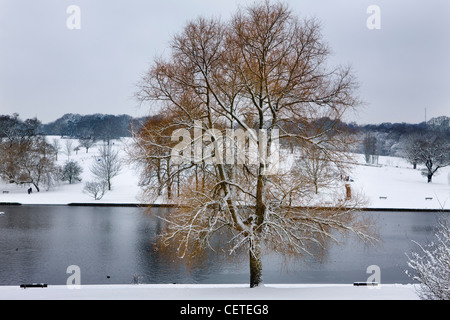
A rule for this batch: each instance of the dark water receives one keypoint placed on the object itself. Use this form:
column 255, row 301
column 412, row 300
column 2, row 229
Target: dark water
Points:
column 116, row 245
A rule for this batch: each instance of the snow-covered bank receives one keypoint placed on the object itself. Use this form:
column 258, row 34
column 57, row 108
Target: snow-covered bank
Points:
column 212, row 292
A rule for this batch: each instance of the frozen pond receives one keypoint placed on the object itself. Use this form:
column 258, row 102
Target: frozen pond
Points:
column 116, row 245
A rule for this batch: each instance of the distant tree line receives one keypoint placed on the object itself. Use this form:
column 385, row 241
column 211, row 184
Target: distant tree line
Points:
column 96, row 126
column 390, row 137
column 104, row 127
column 426, row 144
column 385, row 139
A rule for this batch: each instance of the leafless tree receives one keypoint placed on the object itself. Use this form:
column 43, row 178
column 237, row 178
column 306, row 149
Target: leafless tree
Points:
column 260, row 71
column 153, row 159
column 431, row 150
column 29, row 161
column 370, row 148
column 316, row 170
column 56, row 147
column 86, row 143
column 68, row 148
column 410, row 149
column 96, row 189
column 107, row 164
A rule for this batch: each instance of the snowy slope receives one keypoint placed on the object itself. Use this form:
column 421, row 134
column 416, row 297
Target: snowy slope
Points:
column 395, row 184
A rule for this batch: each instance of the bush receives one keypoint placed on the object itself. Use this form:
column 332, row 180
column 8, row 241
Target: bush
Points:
column 71, row 171
column 432, row 266
column 96, row 189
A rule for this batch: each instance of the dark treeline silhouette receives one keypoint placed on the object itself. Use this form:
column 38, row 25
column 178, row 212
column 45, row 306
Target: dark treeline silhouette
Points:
column 385, row 139
column 390, row 137
column 95, row 126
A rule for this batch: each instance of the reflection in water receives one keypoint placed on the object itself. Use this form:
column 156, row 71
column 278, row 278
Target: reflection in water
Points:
column 118, row 245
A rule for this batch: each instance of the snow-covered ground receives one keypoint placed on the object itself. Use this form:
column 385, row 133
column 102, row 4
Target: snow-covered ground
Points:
column 393, row 183
column 125, row 187
column 390, row 184
column 213, row 292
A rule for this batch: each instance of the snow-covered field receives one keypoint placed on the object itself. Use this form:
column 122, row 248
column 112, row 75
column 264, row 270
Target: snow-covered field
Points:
column 390, row 184
column 395, row 184
column 125, row 187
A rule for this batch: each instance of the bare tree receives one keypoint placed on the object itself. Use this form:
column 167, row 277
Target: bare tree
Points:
column 411, row 149
column 317, row 171
column 370, row 148
column 261, row 70
column 56, row 147
column 39, row 165
column 86, row 143
column 431, row 150
column 107, row 164
column 154, row 160
column 27, row 158
column 68, row 148
column 96, row 189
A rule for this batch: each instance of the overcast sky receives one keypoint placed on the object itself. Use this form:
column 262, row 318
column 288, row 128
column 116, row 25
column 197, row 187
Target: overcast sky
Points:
column 47, row 70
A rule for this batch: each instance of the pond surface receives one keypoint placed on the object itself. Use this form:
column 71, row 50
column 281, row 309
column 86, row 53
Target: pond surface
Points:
column 116, row 245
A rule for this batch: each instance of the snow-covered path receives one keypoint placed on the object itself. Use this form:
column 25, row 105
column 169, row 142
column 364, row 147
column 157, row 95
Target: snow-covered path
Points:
column 213, row 292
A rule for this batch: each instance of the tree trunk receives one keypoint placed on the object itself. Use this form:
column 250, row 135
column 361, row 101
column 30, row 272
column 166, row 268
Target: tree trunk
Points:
column 348, row 191
column 429, row 165
column 256, row 270
column 256, row 276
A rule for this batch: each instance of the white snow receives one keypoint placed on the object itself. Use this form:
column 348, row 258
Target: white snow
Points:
column 213, row 292
column 393, row 183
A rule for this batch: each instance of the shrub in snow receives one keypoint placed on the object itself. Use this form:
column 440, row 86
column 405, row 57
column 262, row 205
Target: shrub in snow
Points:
column 431, row 265
column 96, row 189
column 71, row 171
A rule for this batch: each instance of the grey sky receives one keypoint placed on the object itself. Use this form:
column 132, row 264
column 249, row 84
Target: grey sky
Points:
column 47, row 70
